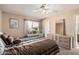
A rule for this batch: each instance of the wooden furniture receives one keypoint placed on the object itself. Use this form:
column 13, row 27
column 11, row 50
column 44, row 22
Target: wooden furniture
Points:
column 62, row 41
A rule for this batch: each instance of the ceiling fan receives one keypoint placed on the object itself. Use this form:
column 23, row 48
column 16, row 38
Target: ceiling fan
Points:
column 44, row 9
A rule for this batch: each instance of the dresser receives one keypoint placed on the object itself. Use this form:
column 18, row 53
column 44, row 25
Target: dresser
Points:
column 62, row 41
column 65, row 42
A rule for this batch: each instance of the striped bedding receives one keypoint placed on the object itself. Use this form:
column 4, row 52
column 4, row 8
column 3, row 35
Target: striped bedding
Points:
column 45, row 47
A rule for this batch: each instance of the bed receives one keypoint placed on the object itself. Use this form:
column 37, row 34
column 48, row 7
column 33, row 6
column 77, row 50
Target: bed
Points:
column 44, row 47
column 40, row 46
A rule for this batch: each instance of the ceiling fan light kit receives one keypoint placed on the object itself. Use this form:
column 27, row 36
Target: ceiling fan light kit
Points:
column 45, row 11
column 44, row 8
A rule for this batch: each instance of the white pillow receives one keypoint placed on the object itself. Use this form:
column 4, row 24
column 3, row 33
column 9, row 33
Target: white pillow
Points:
column 12, row 39
column 1, row 46
column 1, row 33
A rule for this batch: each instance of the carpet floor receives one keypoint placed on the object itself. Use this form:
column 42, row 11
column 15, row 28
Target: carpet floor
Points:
column 74, row 51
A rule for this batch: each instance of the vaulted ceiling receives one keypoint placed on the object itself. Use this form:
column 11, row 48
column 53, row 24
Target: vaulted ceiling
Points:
column 29, row 9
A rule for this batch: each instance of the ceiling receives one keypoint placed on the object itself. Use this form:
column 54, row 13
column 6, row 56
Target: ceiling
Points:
column 28, row 9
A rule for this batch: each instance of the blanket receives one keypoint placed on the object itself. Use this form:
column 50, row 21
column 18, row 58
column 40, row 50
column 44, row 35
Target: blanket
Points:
column 44, row 47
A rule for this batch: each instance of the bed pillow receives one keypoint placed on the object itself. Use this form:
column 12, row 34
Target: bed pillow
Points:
column 3, row 37
column 7, row 39
column 1, row 33
column 2, row 46
column 11, row 39
column 17, row 41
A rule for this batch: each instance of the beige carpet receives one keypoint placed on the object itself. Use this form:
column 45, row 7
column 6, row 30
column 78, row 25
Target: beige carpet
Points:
column 74, row 51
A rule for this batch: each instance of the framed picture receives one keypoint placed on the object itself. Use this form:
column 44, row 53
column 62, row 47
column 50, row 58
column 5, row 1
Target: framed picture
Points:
column 13, row 23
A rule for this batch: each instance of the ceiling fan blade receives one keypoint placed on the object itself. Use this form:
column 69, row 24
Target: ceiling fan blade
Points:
column 35, row 10
column 38, row 10
column 49, row 11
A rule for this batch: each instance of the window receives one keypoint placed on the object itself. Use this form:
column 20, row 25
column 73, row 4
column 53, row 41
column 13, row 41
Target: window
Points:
column 32, row 26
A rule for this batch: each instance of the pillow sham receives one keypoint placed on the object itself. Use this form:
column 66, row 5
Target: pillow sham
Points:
column 6, row 39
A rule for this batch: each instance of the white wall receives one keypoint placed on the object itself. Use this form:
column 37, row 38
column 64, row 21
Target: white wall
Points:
column 19, row 32
column 46, row 27
column 77, row 23
column 72, row 29
column 0, row 21
column 77, row 30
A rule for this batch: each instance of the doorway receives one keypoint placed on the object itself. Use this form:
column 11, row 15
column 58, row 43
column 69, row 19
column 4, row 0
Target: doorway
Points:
column 59, row 28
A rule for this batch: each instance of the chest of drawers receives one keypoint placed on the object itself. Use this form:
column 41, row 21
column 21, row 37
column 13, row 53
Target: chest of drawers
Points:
column 64, row 42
